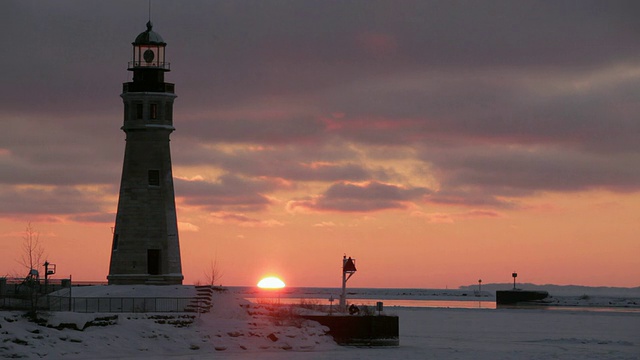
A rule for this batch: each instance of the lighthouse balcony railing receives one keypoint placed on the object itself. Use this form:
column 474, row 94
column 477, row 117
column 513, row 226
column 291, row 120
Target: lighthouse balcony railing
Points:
column 153, row 65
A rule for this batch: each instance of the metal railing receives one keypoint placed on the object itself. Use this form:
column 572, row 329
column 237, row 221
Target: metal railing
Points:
column 120, row 304
column 16, row 294
column 152, row 65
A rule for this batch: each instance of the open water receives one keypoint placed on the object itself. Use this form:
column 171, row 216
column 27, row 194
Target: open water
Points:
column 421, row 298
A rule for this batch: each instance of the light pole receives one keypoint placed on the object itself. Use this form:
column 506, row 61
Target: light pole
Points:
column 348, row 268
column 48, row 272
column 331, row 299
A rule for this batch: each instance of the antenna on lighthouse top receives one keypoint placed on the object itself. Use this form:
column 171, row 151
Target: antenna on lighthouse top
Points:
column 149, row 10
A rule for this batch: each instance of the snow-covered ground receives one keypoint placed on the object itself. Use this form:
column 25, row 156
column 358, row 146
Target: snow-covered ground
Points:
column 237, row 329
column 233, row 326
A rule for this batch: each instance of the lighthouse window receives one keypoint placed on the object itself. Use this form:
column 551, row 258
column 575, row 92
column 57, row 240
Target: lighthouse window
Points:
column 115, row 242
column 168, row 111
column 153, row 111
column 154, row 177
column 139, row 111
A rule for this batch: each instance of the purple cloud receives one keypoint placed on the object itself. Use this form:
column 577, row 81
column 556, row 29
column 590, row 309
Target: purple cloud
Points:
column 227, row 192
column 367, row 197
column 329, row 91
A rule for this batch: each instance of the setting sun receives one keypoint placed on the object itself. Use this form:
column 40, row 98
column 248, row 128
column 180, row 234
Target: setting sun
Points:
column 271, row 282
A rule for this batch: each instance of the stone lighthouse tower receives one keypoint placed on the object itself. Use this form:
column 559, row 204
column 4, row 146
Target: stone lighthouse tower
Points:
column 145, row 246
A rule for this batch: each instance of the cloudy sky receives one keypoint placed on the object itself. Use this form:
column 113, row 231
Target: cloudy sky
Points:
column 437, row 142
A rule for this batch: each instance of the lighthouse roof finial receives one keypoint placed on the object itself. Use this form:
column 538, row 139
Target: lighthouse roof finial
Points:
column 149, row 37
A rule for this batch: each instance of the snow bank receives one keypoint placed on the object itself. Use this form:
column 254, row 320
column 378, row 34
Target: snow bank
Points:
column 233, row 326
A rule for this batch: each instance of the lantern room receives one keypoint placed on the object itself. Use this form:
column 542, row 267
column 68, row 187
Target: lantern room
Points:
column 148, row 51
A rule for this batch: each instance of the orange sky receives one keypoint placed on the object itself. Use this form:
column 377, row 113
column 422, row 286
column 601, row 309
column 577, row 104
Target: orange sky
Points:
column 585, row 239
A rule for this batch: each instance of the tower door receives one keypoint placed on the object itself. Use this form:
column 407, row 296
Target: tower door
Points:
column 153, row 261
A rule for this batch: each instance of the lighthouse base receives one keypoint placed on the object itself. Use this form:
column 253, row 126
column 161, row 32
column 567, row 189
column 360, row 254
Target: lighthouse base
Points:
column 145, row 279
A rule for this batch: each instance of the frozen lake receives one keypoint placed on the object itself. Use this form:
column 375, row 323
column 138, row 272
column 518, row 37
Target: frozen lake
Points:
column 599, row 301
column 388, row 303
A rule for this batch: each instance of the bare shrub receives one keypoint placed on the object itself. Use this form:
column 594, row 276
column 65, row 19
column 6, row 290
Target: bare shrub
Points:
column 213, row 274
column 367, row 310
column 311, row 304
column 32, row 250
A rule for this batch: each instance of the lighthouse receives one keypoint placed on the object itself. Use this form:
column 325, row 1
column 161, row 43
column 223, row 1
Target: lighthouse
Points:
column 145, row 247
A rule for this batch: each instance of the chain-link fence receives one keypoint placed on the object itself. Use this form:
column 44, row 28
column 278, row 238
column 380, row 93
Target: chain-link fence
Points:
column 16, row 294
column 29, row 293
column 120, row 304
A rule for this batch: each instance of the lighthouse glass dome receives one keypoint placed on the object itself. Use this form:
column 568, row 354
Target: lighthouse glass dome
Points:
column 148, row 50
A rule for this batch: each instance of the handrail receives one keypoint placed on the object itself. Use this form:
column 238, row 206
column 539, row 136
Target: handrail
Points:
column 145, row 65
